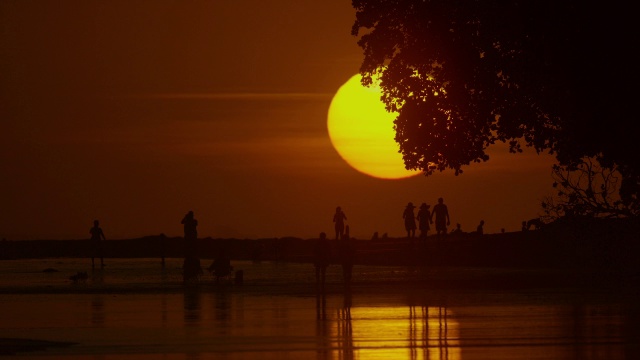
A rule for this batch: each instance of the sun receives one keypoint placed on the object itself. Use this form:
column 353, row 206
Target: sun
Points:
column 361, row 131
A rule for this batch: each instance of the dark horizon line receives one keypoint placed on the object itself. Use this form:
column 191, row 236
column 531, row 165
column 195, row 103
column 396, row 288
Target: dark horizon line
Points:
column 259, row 238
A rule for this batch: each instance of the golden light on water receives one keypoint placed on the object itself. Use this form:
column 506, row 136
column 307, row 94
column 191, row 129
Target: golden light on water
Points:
column 402, row 332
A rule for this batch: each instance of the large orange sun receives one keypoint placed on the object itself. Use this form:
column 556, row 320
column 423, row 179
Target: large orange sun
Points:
column 361, row 131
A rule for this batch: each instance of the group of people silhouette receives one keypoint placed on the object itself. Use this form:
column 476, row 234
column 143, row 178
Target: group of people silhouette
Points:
column 425, row 218
column 191, row 266
column 322, row 252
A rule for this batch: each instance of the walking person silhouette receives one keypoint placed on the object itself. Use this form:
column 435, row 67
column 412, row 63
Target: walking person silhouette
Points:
column 441, row 213
column 338, row 218
column 424, row 218
column 97, row 235
column 409, row 221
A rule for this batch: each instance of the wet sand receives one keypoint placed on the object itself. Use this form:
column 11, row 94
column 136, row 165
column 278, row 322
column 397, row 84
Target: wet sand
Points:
column 196, row 325
column 133, row 310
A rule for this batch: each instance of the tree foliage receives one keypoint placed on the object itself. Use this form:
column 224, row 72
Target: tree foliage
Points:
column 558, row 76
column 586, row 189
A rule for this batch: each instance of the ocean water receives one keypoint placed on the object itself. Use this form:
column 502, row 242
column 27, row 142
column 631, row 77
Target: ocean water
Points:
column 138, row 309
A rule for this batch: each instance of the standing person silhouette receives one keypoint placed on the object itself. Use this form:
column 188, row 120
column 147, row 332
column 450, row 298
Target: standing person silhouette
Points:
column 338, row 218
column 480, row 228
column 97, row 235
column 191, row 266
column 441, row 213
column 424, row 218
column 190, row 233
column 409, row 220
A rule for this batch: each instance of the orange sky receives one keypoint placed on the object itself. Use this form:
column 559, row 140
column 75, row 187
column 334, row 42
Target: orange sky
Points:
column 135, row 112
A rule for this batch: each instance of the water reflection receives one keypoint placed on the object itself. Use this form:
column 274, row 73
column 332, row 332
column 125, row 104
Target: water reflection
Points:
column 418, row 328
column 441, row 334
column 371, row 322
column 321, row 306
column 345, row 329
column 222, row 307
column 599, row 323
column 97, row 311
column 192, row 316
column 191, row 306
column 426, row 329
column 323, row 333
column 407, row 332
column 164, row 312
column 97, row 276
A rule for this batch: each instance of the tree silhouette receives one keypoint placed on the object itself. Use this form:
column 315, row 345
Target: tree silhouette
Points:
column 587, row 189
column 557, row 76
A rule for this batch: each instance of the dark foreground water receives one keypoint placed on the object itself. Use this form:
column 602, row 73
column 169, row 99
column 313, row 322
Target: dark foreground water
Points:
column 135, row 309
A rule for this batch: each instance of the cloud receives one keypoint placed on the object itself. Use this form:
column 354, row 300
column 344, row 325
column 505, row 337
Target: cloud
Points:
column 239, row 96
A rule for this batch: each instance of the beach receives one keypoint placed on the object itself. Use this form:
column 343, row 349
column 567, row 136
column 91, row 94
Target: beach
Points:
column 318, row 180
column 137, row 309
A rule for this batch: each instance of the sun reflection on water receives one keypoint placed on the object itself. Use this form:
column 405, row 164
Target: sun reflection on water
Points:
column 401, row 332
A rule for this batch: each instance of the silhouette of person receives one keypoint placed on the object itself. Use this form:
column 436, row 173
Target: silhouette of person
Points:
column 441, row 213
column 480, row 229
column 409, row 220
column 348, row 255
column 191, row 266
column 338, row 218
column 190, row 226
column 424, row 218
column 458, row 230
column 190, row 233
column 524, row 226
column 321, row 259
column 97, row 235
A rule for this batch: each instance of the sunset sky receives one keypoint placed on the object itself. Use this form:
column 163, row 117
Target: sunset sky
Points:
column 135, row 112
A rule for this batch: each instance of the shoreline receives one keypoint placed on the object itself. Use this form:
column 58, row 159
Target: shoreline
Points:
column 397, row 279
column 539, row 249
column 14, row 346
